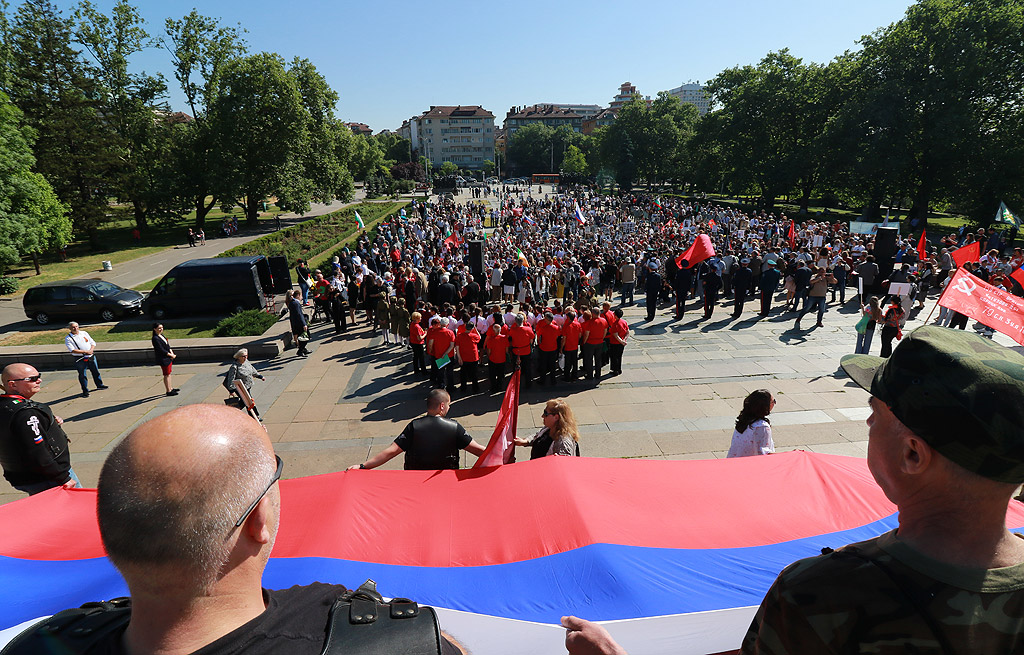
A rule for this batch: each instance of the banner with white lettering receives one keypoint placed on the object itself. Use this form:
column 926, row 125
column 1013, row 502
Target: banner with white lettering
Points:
column 986, row 304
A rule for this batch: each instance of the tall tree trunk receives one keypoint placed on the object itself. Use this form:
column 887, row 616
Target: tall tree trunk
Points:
column 202, row 209
column 918, row 214
column 35, row 262
column 140, row 214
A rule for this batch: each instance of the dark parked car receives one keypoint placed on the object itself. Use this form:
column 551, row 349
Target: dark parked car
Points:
column 79, row 300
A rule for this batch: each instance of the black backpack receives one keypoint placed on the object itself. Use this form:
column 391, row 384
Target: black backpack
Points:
column 360, row 623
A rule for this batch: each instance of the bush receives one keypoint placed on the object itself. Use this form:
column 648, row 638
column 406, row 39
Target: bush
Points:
column 310, row 238
column 8, row 285
column 405, row 186
column 250, row 323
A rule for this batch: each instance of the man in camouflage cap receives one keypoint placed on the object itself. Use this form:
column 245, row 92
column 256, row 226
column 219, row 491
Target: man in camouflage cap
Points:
column 946, row 445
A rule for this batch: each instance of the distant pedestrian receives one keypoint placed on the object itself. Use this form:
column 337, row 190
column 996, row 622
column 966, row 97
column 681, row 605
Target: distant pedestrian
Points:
column 241, row 370
column 191, row 238
column 80, row 344
column 164, row 357
column 202, row 237
column 297, row 319
column 753, row 431
column 872, row 316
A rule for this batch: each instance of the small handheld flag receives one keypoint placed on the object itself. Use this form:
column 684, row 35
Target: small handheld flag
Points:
column 969, row 253
column 579, row 215
column 922, row 247
column 359, row 221
column 1004, row 215
column 501, row 448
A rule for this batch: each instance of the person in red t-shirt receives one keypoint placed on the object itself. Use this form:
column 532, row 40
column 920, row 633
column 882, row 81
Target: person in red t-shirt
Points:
column 547, row 342
column 496, row 346
column 609, row 317
column 571, row 333
column 594, row 330
column 466, row 342
column 521, row 337
column 441, row 343
column 617, row 333
column 416, row 339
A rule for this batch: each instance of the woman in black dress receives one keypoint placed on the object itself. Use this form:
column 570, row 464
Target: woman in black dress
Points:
column 164, row 357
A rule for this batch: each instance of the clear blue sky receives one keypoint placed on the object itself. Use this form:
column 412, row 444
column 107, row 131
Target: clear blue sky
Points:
column 391, row 59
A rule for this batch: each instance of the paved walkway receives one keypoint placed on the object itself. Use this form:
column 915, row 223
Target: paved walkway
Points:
column 682, row 386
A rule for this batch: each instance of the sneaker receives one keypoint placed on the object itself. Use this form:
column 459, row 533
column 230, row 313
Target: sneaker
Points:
column 103, row 386
column 173, row 392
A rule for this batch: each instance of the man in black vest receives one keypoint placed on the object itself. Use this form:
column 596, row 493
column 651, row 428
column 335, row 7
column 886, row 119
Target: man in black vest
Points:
column 430, row 442
column 33, row 447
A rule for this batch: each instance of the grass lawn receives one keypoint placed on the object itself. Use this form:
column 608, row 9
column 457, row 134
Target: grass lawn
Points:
column 147, row 286
column 119, row 246
column 106, row 333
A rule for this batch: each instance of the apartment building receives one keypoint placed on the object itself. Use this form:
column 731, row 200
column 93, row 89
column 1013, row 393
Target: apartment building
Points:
column 461, row 134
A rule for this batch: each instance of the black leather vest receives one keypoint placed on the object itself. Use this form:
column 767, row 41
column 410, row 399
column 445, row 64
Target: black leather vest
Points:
column 433, row 444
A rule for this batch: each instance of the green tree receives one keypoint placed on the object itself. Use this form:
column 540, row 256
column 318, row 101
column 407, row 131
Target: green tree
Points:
column 134, row 110
column 199, row 48
column 366, row 157
column 449, row 168
column 323, row 176
column 261, row 130
column 394, row 147
column 32, row 219
column 529, row 149
column 937, row 107
column 57, row 94
column 574, row 163
column 488, row 166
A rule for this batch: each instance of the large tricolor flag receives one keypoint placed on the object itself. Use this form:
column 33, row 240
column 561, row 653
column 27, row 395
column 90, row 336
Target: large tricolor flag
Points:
column 578, row 214
column 359, row 220
column 501, row 449
column 505, row 552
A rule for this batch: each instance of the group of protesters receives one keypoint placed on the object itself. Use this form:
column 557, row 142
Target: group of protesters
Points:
column 552, row 266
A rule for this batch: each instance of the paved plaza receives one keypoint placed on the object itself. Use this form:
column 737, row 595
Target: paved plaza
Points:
column 682, row 385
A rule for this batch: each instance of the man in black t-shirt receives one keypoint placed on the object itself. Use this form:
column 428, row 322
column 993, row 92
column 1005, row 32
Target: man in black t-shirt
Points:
column 431, row 442
column 188, row 507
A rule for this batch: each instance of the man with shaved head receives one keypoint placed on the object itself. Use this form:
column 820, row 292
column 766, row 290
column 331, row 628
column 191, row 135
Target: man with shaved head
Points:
column 189, row 507
column 33, row 447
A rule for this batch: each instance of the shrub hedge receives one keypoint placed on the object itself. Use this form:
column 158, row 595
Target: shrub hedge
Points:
column 250, row 323
column 8, row 285
column 371, row 230
column 310, row 238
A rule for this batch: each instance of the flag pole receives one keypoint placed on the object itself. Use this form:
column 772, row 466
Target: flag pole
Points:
column 941, row 295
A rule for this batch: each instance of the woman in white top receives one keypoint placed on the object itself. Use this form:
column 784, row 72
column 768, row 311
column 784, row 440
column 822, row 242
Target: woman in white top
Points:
column 753, row 433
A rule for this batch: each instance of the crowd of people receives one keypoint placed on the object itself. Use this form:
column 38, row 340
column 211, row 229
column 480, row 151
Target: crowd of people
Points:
column 551, row 270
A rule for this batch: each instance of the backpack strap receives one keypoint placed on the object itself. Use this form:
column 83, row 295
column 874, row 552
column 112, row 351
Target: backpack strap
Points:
column 74, row 631
column 361, row 623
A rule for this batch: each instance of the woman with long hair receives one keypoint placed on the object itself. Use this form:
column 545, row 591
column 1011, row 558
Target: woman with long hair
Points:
column 753, row 431
column 873, row 310
column 559, row 436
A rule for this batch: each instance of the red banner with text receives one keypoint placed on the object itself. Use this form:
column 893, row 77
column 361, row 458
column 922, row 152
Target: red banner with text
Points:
column 986, row 304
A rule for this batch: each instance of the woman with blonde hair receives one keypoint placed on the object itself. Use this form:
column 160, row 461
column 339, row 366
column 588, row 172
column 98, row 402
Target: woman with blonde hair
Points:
column 559, row 436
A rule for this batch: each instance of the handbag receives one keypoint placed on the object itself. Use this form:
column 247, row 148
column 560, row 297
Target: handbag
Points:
column 862, row 324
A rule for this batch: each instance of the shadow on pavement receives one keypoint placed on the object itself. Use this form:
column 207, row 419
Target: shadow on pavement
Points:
column 110, row 409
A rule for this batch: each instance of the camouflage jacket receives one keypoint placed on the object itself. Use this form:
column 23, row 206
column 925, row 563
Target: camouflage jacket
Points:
column 882, row 597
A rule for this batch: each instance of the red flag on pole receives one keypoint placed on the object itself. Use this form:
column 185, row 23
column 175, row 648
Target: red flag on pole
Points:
column 701, row 249
column 986, row 304
column 453, row 240
column 969, row 253
column 922, row 247
column 501, row 448
column 792, row 233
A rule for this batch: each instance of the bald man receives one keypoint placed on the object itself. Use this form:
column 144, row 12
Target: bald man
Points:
column 188, row 510
column 33, row 447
